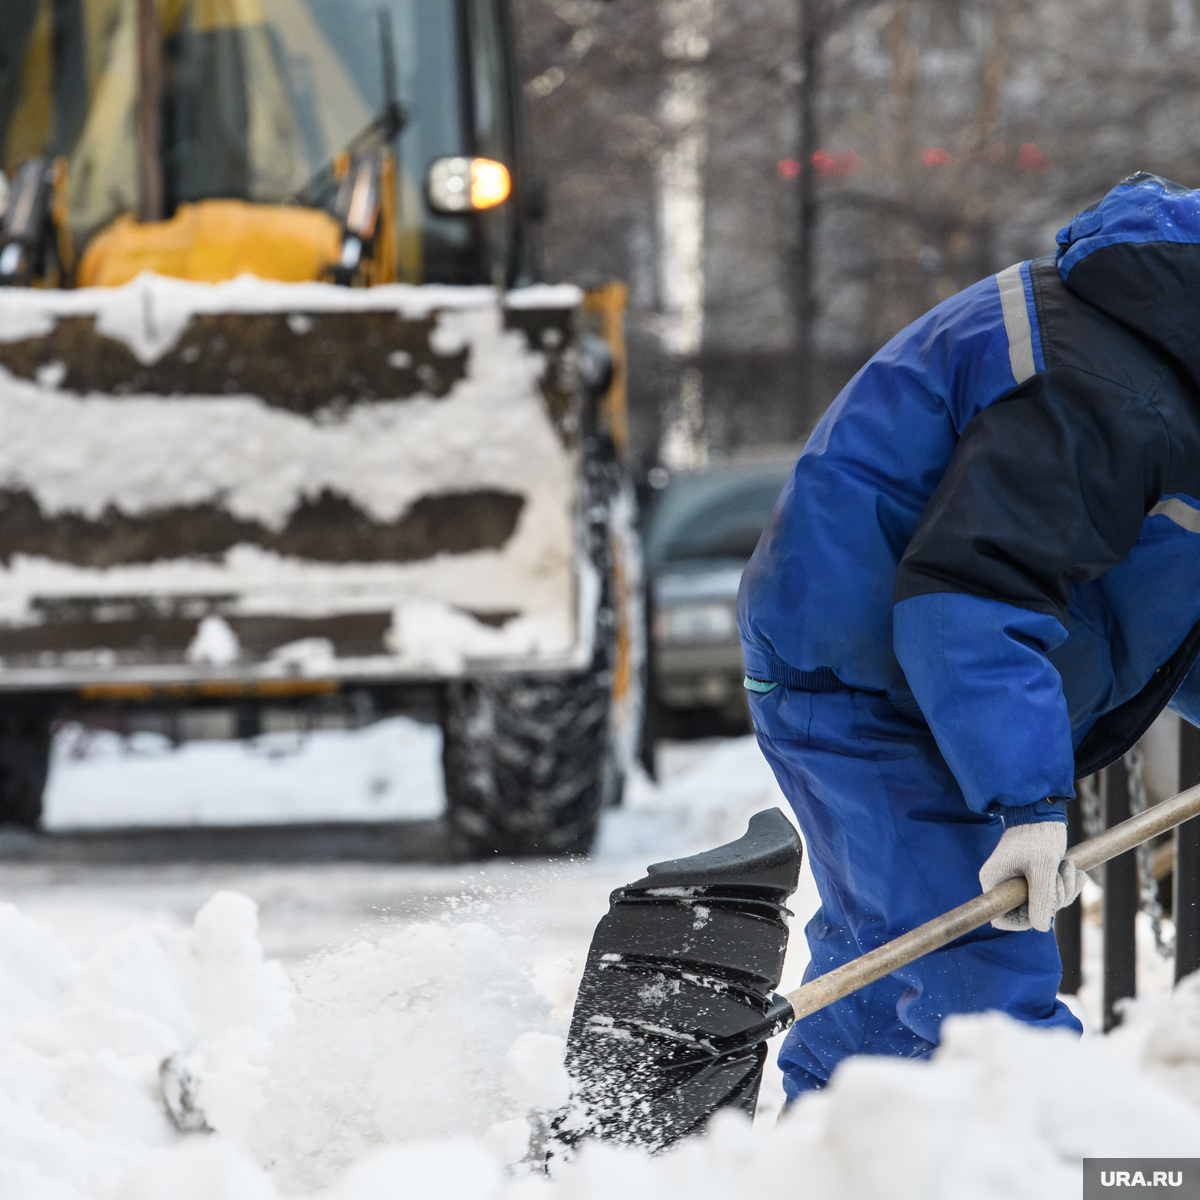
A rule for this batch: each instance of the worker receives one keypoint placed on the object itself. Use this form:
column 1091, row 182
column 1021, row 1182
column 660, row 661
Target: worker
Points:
column 980, row 584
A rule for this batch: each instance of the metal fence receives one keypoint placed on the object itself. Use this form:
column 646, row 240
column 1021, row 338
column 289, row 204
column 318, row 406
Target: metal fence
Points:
column 1133, row 881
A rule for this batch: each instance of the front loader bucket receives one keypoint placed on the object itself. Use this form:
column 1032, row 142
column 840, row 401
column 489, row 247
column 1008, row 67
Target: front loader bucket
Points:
column 677, row 997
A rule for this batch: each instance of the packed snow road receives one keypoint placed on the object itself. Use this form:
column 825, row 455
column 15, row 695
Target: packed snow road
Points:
column 241, row 1032
column 111, row 806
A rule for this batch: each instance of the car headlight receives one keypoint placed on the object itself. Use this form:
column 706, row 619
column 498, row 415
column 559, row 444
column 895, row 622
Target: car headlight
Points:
column 695, row 623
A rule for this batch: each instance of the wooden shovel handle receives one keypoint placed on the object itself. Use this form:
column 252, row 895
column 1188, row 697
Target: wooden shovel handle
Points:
column 1012, row 893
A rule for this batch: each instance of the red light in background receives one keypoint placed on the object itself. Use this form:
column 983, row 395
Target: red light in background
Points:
column 789, row 168
column 827, row 166
column 1030, row 158
column 935, row 156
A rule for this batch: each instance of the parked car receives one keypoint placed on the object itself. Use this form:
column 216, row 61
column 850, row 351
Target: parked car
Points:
column 701, row 530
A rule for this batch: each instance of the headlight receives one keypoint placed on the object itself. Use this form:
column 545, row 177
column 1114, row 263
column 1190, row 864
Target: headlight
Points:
column 695, row 623
column 458, row 185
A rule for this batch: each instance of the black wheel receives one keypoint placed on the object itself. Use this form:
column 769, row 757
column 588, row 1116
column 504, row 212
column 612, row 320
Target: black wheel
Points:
column 528, row 762
column 24, row 763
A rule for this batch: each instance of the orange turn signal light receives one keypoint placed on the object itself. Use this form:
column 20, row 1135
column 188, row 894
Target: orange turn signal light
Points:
column 490, row 183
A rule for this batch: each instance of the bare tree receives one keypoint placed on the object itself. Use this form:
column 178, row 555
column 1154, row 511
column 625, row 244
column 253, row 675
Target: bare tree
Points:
column 817, row 20
column 953, row 138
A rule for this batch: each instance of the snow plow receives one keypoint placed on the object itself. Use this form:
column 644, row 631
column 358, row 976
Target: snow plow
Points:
column 285, row 418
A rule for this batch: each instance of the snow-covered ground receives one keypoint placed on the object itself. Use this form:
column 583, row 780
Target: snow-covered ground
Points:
column 388, row 771
column 417, row 1015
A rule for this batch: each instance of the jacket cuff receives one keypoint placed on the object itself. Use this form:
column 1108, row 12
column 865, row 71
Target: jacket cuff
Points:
column 1053, row 808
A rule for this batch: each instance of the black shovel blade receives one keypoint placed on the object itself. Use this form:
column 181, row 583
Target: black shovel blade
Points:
column 678, row 995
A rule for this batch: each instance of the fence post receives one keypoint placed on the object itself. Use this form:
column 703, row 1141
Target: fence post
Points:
column 1120, row 902
column 1185, row 903
column 1068, row 922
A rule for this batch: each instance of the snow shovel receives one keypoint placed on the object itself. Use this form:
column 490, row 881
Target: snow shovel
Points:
column 677, row 999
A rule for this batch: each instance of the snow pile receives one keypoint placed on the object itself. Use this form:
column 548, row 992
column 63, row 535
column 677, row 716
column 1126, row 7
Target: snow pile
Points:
column 390, row 770
column 215, row 643
column 150, row 313
column 400, row 1041
column 420, row 1062
column 427, row 635
column 181, row 1063
column 199, row 1170
column 84, row 1043
column 142, row 453
column 1001, row 1113
column 408, row 1065
column 707, row 795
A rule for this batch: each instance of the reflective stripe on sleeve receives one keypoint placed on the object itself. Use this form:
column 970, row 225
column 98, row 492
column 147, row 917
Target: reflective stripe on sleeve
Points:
column 1016, row 323
column 1184, row 515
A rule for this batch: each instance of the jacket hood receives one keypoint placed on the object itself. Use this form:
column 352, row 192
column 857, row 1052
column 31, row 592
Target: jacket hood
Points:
column 1136, row 257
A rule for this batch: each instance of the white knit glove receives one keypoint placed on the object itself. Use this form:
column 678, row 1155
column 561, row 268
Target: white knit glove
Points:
column 1035, row 851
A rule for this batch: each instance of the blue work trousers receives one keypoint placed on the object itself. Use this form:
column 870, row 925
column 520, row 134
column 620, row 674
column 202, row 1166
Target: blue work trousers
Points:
column 891, row 844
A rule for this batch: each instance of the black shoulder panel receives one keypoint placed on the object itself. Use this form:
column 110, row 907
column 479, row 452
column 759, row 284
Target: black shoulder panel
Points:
column 1076, row 334
column 1079, row 335
column 1049, row 486
column 1150, row 287
column 1046, row 488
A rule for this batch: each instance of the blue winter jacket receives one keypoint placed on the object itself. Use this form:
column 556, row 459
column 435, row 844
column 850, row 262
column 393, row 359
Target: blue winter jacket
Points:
column 997, row 522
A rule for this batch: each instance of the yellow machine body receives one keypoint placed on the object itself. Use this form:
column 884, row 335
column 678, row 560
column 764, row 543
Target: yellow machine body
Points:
column 214, row 240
